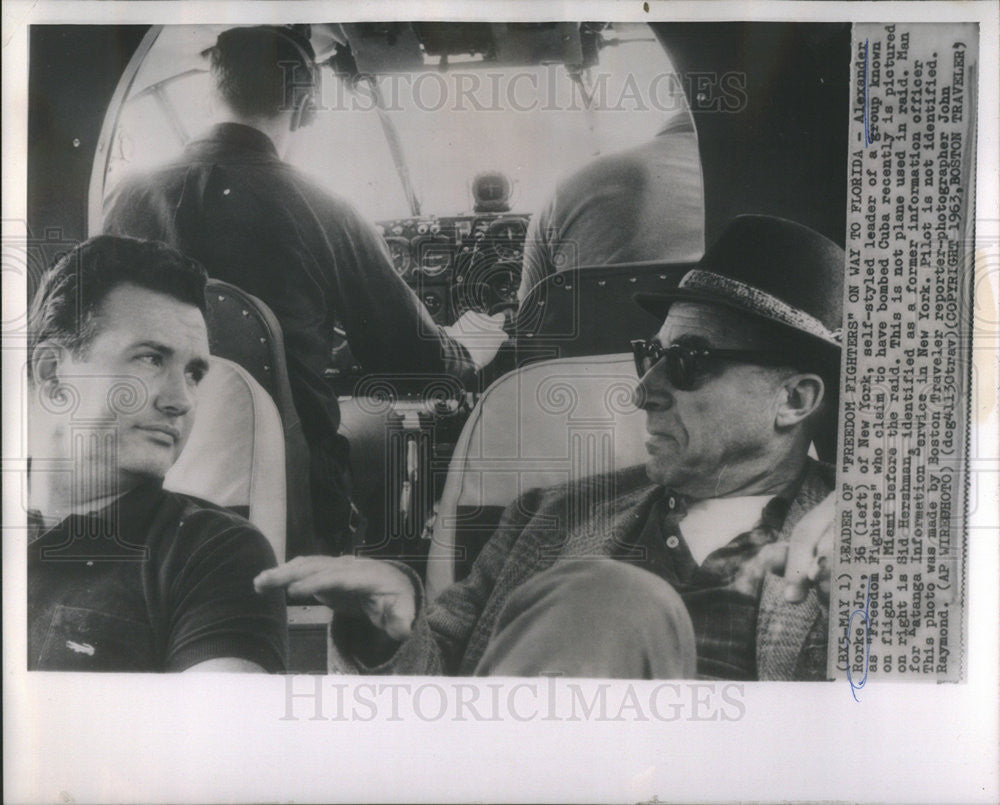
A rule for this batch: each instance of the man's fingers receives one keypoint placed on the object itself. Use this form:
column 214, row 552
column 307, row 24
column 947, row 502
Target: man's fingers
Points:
column 769, row 559
column 294, row 571
column 339, row 582
column 278, row 576
column 335, row 586
column 819, row 569
column 773, row 557
column 813, row 526
column 800, row 556
column 819, row 577
column 811, row 537
column 796, row 591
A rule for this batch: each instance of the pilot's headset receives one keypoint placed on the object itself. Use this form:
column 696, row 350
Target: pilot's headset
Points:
column 304, row 94
column 296, row 38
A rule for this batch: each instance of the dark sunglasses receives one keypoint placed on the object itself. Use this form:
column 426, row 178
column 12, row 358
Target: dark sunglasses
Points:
column 685, row 366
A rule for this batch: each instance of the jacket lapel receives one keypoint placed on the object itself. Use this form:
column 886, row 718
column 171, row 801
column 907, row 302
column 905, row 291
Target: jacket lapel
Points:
column 616, row 518
column 785, row 631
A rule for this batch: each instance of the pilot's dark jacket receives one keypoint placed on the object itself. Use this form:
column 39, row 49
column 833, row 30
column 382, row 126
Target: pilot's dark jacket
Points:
column 645, row 203
column 784, row 640
column 154, row 581
column 256, row 222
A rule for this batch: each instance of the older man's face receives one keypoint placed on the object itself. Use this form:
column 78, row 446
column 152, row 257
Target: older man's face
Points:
column 713, row 440
column 136, row 385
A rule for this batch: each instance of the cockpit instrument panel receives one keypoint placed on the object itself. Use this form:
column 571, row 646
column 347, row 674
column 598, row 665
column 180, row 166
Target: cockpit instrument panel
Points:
column 459, row 262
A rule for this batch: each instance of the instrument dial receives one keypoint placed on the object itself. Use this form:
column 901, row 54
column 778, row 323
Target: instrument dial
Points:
column 434, row 255
column 507, row 237
column 399, row 249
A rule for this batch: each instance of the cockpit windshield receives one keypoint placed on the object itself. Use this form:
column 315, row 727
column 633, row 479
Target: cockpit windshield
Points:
column 533, row 119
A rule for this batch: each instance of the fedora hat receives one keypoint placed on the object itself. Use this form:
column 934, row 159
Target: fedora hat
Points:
column 773, row 269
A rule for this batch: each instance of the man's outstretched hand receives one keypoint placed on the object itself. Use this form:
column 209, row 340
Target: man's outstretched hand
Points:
column 350, row 584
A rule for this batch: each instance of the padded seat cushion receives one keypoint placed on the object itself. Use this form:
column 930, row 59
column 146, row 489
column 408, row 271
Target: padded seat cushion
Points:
column 235, row 456
column 545, row 424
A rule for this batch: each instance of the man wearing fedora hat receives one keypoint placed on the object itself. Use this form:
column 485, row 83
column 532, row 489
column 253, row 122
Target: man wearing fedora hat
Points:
column 674, row 574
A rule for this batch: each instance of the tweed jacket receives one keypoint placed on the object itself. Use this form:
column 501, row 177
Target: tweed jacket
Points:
column 594, row 517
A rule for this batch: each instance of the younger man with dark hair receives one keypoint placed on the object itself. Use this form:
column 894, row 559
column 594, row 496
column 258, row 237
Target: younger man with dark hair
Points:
column 123, row 575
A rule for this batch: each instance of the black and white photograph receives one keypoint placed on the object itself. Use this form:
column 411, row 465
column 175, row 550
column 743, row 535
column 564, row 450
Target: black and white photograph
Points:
column 500, row 390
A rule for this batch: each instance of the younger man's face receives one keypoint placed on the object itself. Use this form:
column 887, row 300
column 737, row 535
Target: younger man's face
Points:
column 137, row 384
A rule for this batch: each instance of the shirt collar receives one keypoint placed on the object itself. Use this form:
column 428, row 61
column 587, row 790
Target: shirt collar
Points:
column 236, row 135
column 125, row 518
column 710, row 524
column 718, row 521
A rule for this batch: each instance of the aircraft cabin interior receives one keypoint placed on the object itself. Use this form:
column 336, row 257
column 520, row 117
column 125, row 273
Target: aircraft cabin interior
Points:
column 452, row 188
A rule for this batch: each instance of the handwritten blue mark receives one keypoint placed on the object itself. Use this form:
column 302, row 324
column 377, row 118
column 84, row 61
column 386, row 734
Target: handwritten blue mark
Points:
column 867, row 104
column 856, row 686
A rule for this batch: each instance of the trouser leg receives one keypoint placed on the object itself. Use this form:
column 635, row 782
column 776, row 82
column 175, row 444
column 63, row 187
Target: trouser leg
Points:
column 593, row 618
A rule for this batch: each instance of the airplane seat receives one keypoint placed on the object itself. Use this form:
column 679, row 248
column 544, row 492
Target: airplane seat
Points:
column 589, row 310
column 234, row 456
column 364, row 425
column 244, row 330
column 547, row 423
column 400, row 446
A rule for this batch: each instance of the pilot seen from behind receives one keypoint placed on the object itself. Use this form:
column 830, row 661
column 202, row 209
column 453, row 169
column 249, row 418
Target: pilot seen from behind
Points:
column 251, row 219
column 644, row 203
column 123, row 575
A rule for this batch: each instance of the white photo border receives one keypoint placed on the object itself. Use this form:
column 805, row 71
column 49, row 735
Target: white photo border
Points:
column 136, row 738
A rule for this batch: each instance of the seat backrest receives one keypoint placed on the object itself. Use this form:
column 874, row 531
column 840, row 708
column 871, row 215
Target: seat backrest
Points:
column 547, row 423
column 589, row 310
column 234, row 456
column 244, row 330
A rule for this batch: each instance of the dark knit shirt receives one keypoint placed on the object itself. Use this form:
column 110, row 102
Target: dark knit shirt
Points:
column 155, row 581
